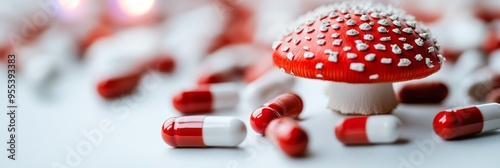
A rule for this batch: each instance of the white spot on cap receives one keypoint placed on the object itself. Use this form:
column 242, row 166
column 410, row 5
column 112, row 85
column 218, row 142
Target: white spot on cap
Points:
column 276, row 44
column 352, row 32
column 309, row 30
column 298, row 30
column 411, row 23
column 395, row 49
column 419, row 42
column 393, row 17
column 309, row 22
column 429, row 63
column 340, row 19
column 296, row 41
column 306, row 48
column 402, row 39
column 374, row 15
column 441, row 58
column 285, row 48
column 333, row 15
column 335, row 26
column 288, row 39
column 350, row 22
column 386, row 60
column 419, row 57
column 382, row 30
column 347, row 16
column 319, row 66
column 321, row 42
column 319, row 76
column 385, row 39
column 370, row 57
column 332, row 55
column 282, row 69
column 325, row 23
column 397, row 23
column 424, row 35
column 308, row 55
column 407, row 46
column 335, row 35
column 290, row 55
column 368, row 37
column 307, row 38
column 408, row 30
column 361, row 46
column 365, row 26
column 360, row 67
column 323, row 28
column 347, row 48
column 430, row 49
column 320, row 36
column 403, row 62
column 374, row 76
column 352, row 55
column 337, row 42
column 396, row 30
column 383, row 22
column 364, row 18
column 379, row 46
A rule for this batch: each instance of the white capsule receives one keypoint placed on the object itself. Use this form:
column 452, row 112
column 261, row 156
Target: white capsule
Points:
column 269, row 85
column 376, row 129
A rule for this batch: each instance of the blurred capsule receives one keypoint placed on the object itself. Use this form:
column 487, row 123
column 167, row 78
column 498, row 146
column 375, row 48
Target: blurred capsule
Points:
column 486, row 10
column 116, row 87
column 207, row 98
column 287, row 134
column 269, row 85
column 162, row 63
column 474, row 88
column 423, row 93
column 492, row 40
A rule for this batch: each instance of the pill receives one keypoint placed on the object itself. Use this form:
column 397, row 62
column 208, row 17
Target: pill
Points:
column 270, row 85
column 287, row 134
column 118, row 86
column 162, row 63
column 493, row 96
column 452, row 123
column 368, row 130
column 207, row 98
column 98, row 32
column 474, row 88
column 423, row 93
column 203, row 131
column 288, row 104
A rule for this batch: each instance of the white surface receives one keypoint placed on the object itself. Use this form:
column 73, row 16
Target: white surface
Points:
column 382, row 129
column 52, row 125
column 491, row 116
column 223, row 131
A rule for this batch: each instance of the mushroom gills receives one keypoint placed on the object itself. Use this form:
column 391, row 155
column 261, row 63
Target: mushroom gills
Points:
column 361, row 99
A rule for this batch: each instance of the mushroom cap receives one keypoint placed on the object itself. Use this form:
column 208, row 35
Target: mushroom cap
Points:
column 358, row 43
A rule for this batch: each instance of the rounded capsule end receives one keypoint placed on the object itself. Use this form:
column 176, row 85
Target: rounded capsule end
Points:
column 261, row 117
column 445, row 125
column 167, row 132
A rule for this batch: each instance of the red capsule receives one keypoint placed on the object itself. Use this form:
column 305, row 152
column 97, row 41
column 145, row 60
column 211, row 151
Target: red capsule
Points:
column 99, row 32
column 287, row 134
column 118, row 86
column 206, row 98
column 368, row 130
column 452, row 123
column 423, row 93
column 288, row 104
column 163, row 63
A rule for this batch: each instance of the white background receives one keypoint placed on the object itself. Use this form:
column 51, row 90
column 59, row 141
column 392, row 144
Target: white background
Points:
column 51, row 120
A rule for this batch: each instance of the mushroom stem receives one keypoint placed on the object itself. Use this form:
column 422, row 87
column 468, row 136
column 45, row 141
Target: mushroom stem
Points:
column 361, row 99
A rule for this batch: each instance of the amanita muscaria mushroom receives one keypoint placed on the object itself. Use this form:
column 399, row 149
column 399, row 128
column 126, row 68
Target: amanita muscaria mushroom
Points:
column 362, row 49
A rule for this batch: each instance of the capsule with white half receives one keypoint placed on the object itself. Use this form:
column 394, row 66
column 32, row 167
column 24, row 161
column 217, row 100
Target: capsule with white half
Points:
column 203, row 131
column 368, row 130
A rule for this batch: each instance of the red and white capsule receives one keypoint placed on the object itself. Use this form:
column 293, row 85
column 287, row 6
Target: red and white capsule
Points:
column 368, row 130
column 288, row 104
column 287, row 134
column 207, row 98
column 452, row 123
column 203, row 131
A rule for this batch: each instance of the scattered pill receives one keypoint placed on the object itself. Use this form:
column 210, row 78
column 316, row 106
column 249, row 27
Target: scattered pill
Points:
column 207, row 98
column 269, row 85
column 452, row 123
column 287, row 134
column 203, row 131
column 493, row 96
column 162, row 63
column 288, row 104
column 423, row 93
column 118, row 86
column 474, row 88
column 368, row 130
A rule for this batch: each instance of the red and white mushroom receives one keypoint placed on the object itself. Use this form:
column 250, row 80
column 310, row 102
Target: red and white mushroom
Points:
column 361, row 49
